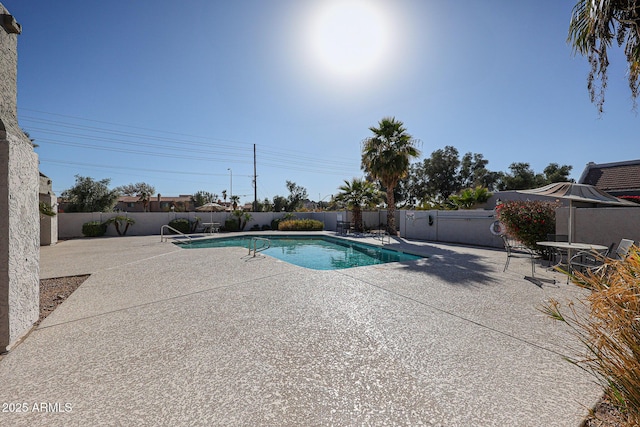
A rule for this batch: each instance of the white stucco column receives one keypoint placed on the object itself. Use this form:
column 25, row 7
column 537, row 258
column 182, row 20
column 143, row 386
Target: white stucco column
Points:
column 19, row 215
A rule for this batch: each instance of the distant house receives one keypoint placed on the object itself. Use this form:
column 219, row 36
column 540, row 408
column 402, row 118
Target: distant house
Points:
column 48, row 224
column 159, row 203
column 620, row 179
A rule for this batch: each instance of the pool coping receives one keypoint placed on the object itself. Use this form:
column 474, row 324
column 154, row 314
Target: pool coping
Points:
column 370, row 240
column 183, row 244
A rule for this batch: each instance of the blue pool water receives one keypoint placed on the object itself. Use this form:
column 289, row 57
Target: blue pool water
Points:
column 317, row 253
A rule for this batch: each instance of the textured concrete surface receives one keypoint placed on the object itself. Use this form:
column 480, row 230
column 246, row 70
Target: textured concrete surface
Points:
column 19, row 216
column 159, row 335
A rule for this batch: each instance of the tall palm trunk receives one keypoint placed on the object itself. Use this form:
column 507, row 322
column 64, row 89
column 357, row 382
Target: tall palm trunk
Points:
column 391, row 211
column 357, row 219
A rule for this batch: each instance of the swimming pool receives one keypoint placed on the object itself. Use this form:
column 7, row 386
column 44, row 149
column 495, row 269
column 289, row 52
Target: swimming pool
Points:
column 317, row 253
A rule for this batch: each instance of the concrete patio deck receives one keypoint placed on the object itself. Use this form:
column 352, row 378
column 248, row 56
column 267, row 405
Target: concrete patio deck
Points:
column 160, row 335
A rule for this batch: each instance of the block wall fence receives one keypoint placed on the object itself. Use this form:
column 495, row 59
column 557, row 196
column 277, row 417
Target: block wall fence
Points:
column 467, row 227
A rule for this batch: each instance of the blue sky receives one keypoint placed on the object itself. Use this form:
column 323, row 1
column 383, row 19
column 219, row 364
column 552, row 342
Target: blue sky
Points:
column 177, row 93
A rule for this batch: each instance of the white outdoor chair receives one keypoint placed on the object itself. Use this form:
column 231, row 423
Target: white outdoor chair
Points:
column 590, row 260
column 514, row 248
column 623, row 248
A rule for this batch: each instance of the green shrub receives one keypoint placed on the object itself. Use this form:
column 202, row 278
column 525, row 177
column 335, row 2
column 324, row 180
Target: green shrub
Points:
column 275, row 223
column 242, row 217
column 608, row 330
column 46, row 209
column 255, row 227
column 301, row 225
column 528, row 221
column 181, row 224
column 266, row 227
column 94, row 229
column 231, row 224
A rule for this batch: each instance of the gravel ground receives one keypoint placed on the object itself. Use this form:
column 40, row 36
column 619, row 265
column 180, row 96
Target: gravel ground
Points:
column 54, row 291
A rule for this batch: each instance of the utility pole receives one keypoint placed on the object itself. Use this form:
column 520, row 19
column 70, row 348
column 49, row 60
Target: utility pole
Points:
column 255, row 182
column 230, row 185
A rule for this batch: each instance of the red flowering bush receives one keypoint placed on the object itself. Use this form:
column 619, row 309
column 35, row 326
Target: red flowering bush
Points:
column 529, row 221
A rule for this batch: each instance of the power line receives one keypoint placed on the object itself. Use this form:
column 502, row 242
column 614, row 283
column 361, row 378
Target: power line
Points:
column 164, row 171
column 275, row 154
column 129, row 126
column 325, row 171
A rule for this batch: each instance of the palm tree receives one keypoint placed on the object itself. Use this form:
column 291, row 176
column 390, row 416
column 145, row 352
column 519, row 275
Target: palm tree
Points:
column 470, row 197
column 234, row 201
column 594, row 26
column 386, row 156
column 358, row 194
column 144, row 198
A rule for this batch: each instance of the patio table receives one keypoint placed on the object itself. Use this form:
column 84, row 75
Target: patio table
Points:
column 211, row 227
column 571, row 246
column 559, row 247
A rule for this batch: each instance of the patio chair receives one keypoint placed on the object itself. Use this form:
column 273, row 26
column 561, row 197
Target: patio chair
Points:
column 623, row 248
column 590, row 261
column 515, row 248
column 584, row 261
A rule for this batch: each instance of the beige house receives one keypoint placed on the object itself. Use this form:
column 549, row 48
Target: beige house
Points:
column 159, row 203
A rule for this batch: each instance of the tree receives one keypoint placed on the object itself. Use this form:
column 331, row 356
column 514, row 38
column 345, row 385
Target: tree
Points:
column 297, row 195
column 555, row 173
column 203, row 197
column 279, row 203
column 441, row 171
column 242, row 218
column 414, row 185
column 358, row 194
column 145, row 198
column 522, row 177
column 234, row 201
column 386, row 156
column 593, row 27
column 136, row 189
column 143, row 190
column 120, row 221
column 470, row 197
column 88, row 195
column 265, row 205
column 474, row 172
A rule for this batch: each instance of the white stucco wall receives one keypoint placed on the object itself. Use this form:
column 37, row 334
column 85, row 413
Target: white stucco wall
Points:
column 602, row 225
column 19, row 217
column 19, row 248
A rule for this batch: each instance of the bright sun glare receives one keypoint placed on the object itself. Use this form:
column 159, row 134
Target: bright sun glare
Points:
column 349, row 38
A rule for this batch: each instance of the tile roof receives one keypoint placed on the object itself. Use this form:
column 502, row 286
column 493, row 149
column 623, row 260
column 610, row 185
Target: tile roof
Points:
column 613, row 176
column 131, row 199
